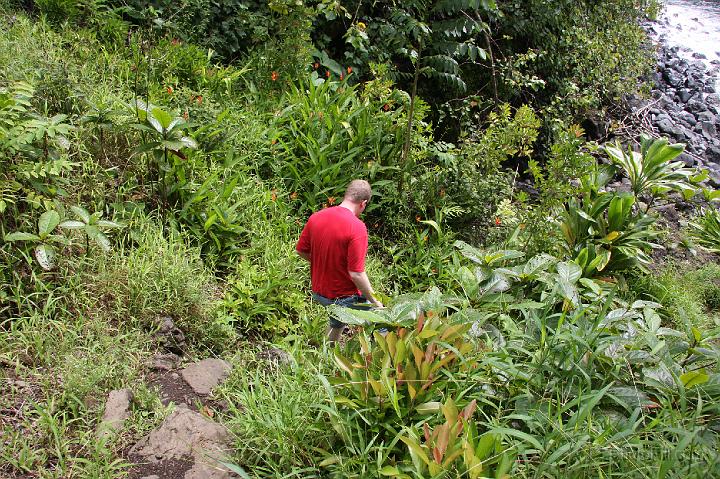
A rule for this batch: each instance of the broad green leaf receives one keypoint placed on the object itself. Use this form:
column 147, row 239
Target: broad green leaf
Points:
column 355, row 317
column 82, row 213
column 20, row 236
column 694, row 378
column 72, row 225
column 569, row 271
column 108, row 224
column 48, row 222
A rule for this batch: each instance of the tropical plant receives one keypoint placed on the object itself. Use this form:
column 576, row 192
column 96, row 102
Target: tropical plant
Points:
column 454, row 447
column 652, row 172
column 165, row 140
column 603, row 234
column 329, row 134
column 44, row 241
column 706, row 230
column 91, row 225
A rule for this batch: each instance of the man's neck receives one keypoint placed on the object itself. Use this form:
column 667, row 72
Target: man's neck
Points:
column 353, row 207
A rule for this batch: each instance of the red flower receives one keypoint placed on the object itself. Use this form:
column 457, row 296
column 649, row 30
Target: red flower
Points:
column 170, row 90
column 497, row 221
column 349, row 70
column 386, row 107
column 331, row 200
column 341, row 76
column 274, row 76
column 327, row 74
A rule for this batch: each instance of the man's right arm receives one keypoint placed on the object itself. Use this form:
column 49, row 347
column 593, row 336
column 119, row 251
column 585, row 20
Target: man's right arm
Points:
column 362, row 282
column 304, row 254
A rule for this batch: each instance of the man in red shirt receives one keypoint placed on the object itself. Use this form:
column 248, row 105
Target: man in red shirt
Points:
column 335, row 242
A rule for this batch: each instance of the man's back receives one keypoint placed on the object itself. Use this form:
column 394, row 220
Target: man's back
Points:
column 337, row 242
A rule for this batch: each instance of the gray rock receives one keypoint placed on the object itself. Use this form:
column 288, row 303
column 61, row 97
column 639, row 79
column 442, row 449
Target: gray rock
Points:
column 151, row 477
column 684, row 95
column 170, row 336
column 183, row 434
column 695, row 106
column 687, row 159
column 698, row 54
column 687, row 117
column 713, row 153
column 165, row 362
column 706, row 116
column 204, row 375
column 275, row 355
column 673, row 78
column 669, row 128
column 117, row 410
column 708, row 130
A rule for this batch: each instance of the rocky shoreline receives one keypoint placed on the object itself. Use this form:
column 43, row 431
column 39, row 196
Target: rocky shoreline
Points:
column 684, row 103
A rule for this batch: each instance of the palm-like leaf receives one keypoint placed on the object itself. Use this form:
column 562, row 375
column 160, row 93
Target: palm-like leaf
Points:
column 651, row 170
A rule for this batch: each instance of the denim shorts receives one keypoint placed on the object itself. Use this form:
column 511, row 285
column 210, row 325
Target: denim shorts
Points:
column 353, row 302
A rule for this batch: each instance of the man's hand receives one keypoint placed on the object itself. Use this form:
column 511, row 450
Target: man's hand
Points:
column 363, row 284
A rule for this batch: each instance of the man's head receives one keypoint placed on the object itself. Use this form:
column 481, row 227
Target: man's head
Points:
column 358, row 194
column 358, row 191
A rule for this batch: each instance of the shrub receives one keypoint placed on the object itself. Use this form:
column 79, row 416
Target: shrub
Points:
column 162, row 275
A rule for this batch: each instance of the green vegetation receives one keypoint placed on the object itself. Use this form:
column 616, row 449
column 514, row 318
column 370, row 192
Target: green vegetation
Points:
column 536, row 325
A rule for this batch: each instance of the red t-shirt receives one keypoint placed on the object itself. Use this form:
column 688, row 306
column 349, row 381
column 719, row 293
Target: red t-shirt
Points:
column 337, row 242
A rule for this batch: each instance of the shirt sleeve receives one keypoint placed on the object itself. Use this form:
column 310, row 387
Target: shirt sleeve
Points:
column 303, row 244
column 357, row 249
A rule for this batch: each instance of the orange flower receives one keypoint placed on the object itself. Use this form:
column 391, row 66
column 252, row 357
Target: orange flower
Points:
column 331, row 200
column 497, row 221
column 274, row 195
column 349, row 70
column 341, row 76
column 273, row 142
column 199, row 99
column 186, row 115
column 170, row 90
column 386, row 107
column 327, row 74
column 175, row 42
column 417, row 218
column 274, row 76
column 293, row 195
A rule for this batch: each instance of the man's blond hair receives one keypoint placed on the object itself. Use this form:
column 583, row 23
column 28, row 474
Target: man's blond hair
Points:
column 358, row 191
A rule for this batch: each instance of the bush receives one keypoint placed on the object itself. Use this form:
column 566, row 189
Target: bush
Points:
column 689, row 296
column 162, row 276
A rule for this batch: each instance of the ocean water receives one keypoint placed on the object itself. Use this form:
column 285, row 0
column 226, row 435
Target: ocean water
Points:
column 693, row 25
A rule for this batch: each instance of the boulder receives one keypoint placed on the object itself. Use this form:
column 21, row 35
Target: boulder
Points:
column 117, row 410
column 673, row 78
column 164, row 362
column 708, row 130
column 684, row 95
column 170, row 336
column 186, row 434
column 204, row 375
column 687, row 117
